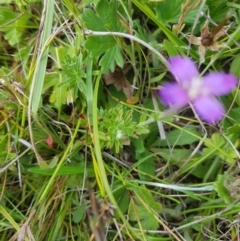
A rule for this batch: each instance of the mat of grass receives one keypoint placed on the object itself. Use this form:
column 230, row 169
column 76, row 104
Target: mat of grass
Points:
column 89, row 151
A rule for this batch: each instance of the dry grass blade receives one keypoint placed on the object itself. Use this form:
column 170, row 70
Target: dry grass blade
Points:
column 185, row 9
column 208, row 38
column 98, row 215
column 118, row 79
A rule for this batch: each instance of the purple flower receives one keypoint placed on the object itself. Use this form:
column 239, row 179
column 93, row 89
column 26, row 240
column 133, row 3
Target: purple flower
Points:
column 200, row 91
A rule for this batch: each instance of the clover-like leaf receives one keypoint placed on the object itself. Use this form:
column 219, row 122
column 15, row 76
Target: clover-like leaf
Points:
column 104, row 19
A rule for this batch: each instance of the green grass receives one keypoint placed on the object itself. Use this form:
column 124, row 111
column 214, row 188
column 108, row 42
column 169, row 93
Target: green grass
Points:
column 83, row 155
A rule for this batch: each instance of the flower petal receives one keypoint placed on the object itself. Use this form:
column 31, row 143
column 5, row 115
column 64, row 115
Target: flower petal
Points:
column 193, row 39
column 218, row 83
column 216, row 46
column 209, row 109
column 183, row 69
column 205, row 30
column 222, row 32
column 172, row 94
column 202, row 51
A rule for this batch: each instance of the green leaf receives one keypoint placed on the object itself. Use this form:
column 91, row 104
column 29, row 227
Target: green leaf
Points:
column 139, row 146
column 113, row 131
column 151, row 15
column 213, row 144
column 147, row 219
column 4, row 148
column 123, row 199
column 5, row 1
column 175, row 155
column 97, row 45
column 111, row 58
column 216, row 140
column 72, row 69
column 148, row 198
column 185, row 136
column 78, row 214
column 63, row 171
column 59, row 95
column 218, row 146
column 15, row 25
column 40, row 70
column 170, row 48
column 92, row 21
column 201, row 170
column 148, row 222
column 221, row 189
column 140, row 31
column 229, row 154
column 170, row 12
column 233, row 114
column 4, row 95
column 108, row 12
column 105, row 19
column 13, row 37
column 145, row 164
column 233, row 132
column 87, row 2
column 7, row 15
column 234, row 68
column 218, row 9
column 145, row 208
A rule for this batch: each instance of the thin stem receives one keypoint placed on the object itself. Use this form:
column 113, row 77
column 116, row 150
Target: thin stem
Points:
column 131, row 37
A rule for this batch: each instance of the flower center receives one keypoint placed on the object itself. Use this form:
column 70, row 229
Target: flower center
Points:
column 195, row 88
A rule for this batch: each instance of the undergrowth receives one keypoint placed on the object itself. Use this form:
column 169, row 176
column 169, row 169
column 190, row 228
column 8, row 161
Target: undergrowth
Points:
column 88, row 150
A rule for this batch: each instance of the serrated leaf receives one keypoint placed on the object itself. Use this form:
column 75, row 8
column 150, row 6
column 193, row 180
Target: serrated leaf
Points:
column 147, row 197
column 7, row 15
column 59, row 96
column 108, row 12
column 216, row 140
column 16, row 24
column 233, row 114
column 92, row 21
column 140, row 31
column 13, row 37
column 212, row 144
column 233, row 132
column 96, row 45
column 105, row 19
column 170, row 12
column 149, row 222
column 111, row 58
column 147, row 219
column 118, row 56
column 229, row 154
column 218, row 146
column 146, row 165
column 116, row 132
